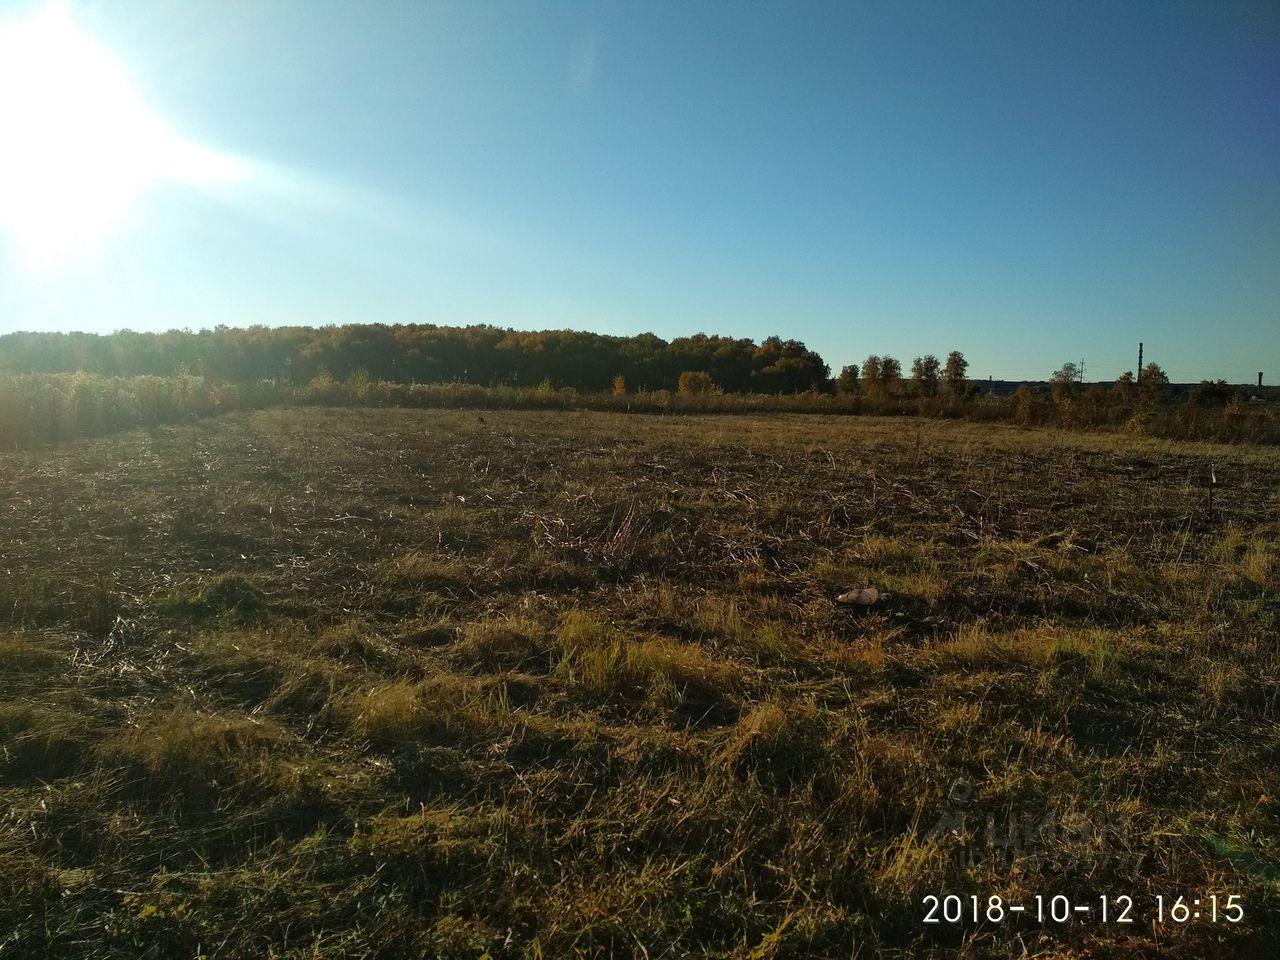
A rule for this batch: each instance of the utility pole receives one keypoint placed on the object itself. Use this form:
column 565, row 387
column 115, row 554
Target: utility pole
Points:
column 1082, row 371
column 1139, row 377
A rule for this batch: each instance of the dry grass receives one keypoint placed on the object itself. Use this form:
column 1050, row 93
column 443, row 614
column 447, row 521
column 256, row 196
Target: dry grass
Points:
column 399, row 684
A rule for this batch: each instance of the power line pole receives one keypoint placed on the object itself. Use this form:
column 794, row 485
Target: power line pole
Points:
column 1082, row 370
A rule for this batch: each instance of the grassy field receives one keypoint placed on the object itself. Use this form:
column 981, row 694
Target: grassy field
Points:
column 394, row 683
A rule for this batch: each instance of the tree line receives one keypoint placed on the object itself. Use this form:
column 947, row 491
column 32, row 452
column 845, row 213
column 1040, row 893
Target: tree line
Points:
column 424, row 353
column 880, row 377
column 490, row 356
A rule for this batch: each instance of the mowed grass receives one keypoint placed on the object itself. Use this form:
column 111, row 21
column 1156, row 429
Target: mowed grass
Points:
column 405, row 684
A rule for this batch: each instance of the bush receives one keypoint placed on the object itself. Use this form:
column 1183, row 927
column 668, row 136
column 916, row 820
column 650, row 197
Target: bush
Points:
column 51, row 408
column 1210, row 393
column 1025, row 406
column 696, row 383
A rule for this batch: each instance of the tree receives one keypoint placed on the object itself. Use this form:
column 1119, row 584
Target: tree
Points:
column 1152, row 383
column 696, row 382
column 1125, row 389
column 847, row 382
column 954, row 374
column 926, row 375
column 1210, row 393
column 890, row 376
column 787, row 366
column 1067, row 373
column 1062, row 383
column 871, row 376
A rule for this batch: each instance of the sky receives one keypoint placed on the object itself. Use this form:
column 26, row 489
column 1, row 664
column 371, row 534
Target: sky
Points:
column 1029, row 183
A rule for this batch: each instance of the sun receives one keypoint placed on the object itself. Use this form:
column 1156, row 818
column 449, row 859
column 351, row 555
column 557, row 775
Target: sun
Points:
column 77, row 143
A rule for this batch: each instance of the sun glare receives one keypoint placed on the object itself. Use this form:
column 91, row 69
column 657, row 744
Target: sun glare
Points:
column 77, row 143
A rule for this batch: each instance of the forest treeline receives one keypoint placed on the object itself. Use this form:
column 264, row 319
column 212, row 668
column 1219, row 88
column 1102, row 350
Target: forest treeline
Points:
column 483, row 355
column 62, row 386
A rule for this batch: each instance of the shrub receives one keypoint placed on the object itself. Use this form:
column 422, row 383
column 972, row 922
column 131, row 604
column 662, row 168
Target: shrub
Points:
column 696, row 383
column 1210, row 393
column 1025, row 406
column 359, row 384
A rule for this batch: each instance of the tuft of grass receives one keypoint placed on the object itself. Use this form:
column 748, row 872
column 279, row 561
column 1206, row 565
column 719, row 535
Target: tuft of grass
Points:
column 425, row 570
column 767, row 643
column 23, row 655
column 974, row 645
column 777, row 743
column 1222, row 683
column 959, row 717
column 442, row 709
column 456, row 524
column 428, row 633
column 721, row 621
column 581, row 632
column 683, row 677
column 1258, row 564
column 41, row 743
column 913, row 865
column 420, row 583
column 511, row 643
column 1096, row 647
column 352, row 641
column 720, row 617
column 602, row 661
column 432, row 851
column 36, row 599
column 223, row 596
column 391, row 714
column 189, row 758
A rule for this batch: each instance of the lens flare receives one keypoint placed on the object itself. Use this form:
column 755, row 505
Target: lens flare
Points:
column 77, row 143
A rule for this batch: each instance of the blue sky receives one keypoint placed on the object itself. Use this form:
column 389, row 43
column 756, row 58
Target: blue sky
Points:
column 1030, row 183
